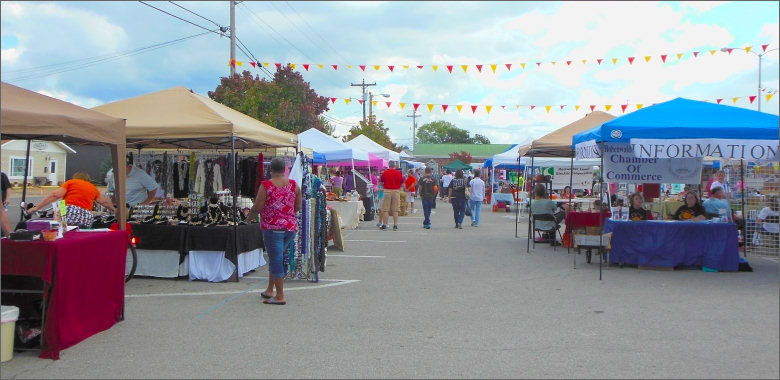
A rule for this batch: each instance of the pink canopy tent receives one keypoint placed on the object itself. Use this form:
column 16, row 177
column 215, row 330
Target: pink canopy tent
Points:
column 373, row 160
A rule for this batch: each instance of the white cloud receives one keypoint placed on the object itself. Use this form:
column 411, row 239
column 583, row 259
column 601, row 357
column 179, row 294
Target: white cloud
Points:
column 71, row 98
column 702, row 6
column 10, row 55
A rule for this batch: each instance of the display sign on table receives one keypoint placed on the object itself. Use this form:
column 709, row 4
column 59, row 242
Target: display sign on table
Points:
column 561, row 176
column 621, row 165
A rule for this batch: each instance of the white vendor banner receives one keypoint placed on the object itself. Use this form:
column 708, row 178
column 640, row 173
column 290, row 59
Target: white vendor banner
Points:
column 581, row 180
column 753, row 150
column 587, row 149
column 621, row 165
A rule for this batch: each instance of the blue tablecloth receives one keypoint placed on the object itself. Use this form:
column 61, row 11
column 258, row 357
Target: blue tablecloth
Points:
column 671, row 244
column 504, row 197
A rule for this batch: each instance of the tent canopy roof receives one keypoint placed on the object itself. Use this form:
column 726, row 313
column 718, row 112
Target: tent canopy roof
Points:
column 457, row 164
column 25, row 114
column 685, row 119
column 507, row 159
column 371, row 146
column 558, row 142
column 178, row 117
column 333, row 149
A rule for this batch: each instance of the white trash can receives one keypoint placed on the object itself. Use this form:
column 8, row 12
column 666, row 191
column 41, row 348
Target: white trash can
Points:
column 8, row 322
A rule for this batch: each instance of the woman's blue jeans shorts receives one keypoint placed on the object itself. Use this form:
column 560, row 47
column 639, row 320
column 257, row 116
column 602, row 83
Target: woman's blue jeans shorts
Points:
column 276, row 243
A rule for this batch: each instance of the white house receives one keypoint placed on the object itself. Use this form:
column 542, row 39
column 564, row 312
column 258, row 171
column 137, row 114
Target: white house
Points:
column 47, row 161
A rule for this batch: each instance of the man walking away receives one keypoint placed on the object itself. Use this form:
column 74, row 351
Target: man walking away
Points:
column 445, row 183
column 411, row 187
column 457, row 196
column 476, row 198
column 391, row 181
column 428, row 195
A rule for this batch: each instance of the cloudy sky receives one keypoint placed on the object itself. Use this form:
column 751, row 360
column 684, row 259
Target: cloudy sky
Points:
column 90, row 53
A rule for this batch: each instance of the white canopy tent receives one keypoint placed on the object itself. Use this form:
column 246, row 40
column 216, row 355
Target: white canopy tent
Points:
column 370, row 146
column 333, row 149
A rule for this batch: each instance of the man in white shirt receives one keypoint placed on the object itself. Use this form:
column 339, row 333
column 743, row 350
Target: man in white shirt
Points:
column 445, row 182
column 477, row 186
column 721, row 182
column 140, row 187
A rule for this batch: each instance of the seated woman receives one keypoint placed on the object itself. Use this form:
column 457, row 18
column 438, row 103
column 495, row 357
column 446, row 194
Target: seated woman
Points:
column 636, row 210
column 79, row 195
column 541, row 205
column 691, row 210
column 565, row 195
column 768, row 220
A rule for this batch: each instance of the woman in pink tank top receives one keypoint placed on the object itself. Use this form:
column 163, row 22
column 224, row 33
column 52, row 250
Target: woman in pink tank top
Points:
column 278, row 200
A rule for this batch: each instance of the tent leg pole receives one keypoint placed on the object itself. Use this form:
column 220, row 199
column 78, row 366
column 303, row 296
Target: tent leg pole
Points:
column 23, row 205
column 744, row 214
column 571, row 180
column 601, row 216
column 354, row 181
column 235, row 200
column 530, row 201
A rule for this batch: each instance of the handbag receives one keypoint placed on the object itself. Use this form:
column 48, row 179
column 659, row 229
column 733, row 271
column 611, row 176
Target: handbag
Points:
column 468, row 211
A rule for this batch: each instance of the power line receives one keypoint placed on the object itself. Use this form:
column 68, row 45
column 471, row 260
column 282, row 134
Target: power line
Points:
column 82, row 63
column 196, row 14
column 316, row 33
column 304, row 34
column 274, row 30
column 187, row 21
column 252, row 56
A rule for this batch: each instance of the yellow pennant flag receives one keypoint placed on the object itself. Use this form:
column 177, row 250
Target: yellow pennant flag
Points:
column 614, row 61
column 747, row 49
column 293, row 66
column 349, row 66
column 402, row 105
column 712, row 52
column 464, row 67
column 376, row 67
column 459, row 107
column 735, row 99
column 522, row 65
column 430, row 107
column 679, row 55
column 373, row 102
column 265, row 64
column 553, row 62
column 607, row 107
column 435, row 67
column 239, row 63
column 493, row 67
column 577, row 107
column 639, row 106
column 768, row 96
column 647, row 58
column 547, row 108
column 319, row 65
column 488, row 108
column 584, row 61
column 406, row 66
column 347, row 100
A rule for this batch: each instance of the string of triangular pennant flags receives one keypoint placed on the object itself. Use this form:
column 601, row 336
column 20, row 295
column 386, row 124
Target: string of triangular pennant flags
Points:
column 492, row 67
column 487, row 108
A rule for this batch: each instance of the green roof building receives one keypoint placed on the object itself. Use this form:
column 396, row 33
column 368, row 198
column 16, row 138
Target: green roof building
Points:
column 478, row 151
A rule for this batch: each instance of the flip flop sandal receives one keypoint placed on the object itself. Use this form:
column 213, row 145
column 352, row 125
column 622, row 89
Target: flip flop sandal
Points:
column 273, row 301
column 264, row 295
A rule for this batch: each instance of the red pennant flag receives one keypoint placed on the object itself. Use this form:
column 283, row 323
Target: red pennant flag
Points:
column 623, row 107
column 233, row 62
column 278, row 66
column 391, row 68
column 449, row 68
column 599, row 60
column 335, row 67
column 730, row 50
column 532, row 107
column 361, row 101
column 562, row 107
column 416, row 105
column 752, row 98
column 306, row 66
column 333, row 100
column 719, row 100
column 764, row 47
column 695, row 54
column 474, row 109
column 508, row 66
column 363, row 67
column 419, row 67
column 503, row 107
column 538, row 64
column 479, row 68
column 253, row 64
column 630, row 60
column 444, row 107
column 592, row 107
column 568, row 63
column 663, row 58
column 388, row 104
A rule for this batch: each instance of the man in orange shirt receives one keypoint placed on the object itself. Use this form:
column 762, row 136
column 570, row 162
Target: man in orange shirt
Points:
column 79, row 195
column 411, row 187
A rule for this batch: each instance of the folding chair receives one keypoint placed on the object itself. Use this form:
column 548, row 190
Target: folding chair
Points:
column 546, row 218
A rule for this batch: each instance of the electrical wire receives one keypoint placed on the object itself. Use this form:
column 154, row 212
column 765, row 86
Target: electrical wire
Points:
column 196, row 14
column 316, row 33
column 187, row 21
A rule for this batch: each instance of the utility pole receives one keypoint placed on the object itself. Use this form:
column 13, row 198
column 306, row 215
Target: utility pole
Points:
column 364, row 85
column 414, row 128
column 232, row 38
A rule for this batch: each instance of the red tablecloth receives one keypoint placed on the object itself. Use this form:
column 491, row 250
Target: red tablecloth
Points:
column 581, row 219
column 84, row 273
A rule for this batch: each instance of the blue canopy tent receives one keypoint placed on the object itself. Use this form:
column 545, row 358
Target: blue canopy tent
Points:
column 683, row 128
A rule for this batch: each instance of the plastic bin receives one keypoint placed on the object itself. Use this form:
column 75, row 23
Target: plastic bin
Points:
column 8, row 322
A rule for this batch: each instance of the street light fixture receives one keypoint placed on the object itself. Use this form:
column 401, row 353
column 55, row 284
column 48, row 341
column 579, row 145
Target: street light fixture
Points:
column 371, row 102
column 760, row 56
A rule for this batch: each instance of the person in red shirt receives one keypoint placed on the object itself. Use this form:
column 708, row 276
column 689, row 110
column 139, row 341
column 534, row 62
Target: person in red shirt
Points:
column 411, row 187
column 391, row 181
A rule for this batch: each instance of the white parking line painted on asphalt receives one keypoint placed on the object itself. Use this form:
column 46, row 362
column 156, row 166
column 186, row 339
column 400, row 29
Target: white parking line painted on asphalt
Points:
column 380, row 241
column 372, row 257
column 338, row 283
column 375, row 230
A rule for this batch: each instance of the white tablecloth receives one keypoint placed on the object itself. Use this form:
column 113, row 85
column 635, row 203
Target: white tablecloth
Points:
column 213, row 266
column 351, row 213
column 504, row 197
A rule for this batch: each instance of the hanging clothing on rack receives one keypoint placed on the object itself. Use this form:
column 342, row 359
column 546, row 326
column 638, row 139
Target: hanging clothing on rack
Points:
column 259, row 175
column 248, row 172
column 181, row 182
column 208, row 179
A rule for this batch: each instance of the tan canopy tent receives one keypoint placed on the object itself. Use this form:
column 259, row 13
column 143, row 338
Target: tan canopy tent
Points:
column 180, row 118
column 558, row 142
column 28, row 115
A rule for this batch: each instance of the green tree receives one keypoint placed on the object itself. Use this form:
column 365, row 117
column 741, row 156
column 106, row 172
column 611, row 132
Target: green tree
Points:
column 374, row 130
column 287, row 102
column 328, row 128
column 444, row 132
